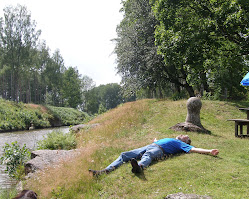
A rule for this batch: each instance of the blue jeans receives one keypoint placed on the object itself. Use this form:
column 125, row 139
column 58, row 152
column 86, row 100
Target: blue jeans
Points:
column 146, row 153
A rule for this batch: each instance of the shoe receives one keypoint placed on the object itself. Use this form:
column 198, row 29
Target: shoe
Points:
column 135, row 167
column 99, row 172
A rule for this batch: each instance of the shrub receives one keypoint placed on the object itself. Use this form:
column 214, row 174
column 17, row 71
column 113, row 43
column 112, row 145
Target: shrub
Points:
column 14, row 157
column 58, row 140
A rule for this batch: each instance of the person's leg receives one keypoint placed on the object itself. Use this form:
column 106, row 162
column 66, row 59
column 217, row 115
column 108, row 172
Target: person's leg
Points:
column 124, row 157
column 151, row 153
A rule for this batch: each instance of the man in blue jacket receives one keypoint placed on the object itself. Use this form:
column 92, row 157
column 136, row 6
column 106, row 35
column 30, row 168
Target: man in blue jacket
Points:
column 156, row 150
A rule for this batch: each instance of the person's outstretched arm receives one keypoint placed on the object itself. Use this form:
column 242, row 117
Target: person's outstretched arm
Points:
column 205, row 151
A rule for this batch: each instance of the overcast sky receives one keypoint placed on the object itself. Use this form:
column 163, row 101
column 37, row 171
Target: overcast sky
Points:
column 82, row 31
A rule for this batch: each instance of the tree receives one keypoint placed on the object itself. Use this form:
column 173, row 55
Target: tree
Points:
column 54, row 75
column 71, row 88
column 88, row 83
column 109, row 95
column 103, row 97
column 18, row 36
column 206, row 41
column 138, row 62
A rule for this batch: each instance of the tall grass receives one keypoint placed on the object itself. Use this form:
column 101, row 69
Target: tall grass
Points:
column 136, row 124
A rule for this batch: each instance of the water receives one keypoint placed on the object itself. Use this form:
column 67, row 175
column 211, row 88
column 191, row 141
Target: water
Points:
column 29, row 138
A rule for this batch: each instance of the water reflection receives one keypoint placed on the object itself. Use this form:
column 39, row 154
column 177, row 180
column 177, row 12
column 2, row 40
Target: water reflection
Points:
column 29, row 138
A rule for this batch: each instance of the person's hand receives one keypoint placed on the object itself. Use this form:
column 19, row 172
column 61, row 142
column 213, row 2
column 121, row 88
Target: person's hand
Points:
column 155, row 140
column 214, row 152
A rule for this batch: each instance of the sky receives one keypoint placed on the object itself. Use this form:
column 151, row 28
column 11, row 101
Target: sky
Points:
column 82, row 31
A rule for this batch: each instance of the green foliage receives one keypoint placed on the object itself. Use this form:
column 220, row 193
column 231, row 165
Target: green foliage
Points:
column 108, row 96
column 58, row 140
column 179, row 96
column 8, row 193
column 28, row 72
column 19, row 116
column 71, row 88
column 14, row 158
column 102, row 109
column 206, row 43
column 138, row 62
column 67, row 116
column 58, row 192
column 18, row 37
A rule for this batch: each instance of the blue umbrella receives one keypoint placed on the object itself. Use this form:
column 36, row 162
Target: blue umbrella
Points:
column 245, row 80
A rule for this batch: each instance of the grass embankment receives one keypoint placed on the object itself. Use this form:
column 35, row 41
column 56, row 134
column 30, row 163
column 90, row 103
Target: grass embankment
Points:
column 20, row 116
column 136, row 124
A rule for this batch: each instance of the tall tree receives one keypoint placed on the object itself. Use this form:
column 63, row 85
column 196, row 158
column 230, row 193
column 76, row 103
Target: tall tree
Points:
column 54, row 75
column 18, row 36
column 71, row 88
column 138, row 61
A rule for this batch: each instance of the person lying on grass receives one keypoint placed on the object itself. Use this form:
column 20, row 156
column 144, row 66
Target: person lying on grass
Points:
column 156, row 150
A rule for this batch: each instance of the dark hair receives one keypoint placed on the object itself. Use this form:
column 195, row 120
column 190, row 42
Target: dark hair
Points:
column 26, row 194
column 188, row 141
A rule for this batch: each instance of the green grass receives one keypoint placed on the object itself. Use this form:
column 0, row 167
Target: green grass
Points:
column 8, row 193
column 137, row 124
column 20, row 116
column 67, row 116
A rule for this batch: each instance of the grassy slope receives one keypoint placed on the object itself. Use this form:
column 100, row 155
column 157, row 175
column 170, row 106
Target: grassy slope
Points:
column 19, row 116
column 136, row 124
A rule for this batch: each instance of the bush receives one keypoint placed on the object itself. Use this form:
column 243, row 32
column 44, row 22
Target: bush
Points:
column 14, row 157
column 58, row 140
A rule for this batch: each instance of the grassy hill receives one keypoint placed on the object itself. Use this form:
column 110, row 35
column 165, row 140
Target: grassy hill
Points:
column 19, row 116
column 136, row 124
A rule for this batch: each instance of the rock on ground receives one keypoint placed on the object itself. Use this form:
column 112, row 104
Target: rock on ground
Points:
column 186, row 196
column 41, row 159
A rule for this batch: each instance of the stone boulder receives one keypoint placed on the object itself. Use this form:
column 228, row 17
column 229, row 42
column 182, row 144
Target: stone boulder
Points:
column 41, row 159
column 186, row 196
column 192, row 122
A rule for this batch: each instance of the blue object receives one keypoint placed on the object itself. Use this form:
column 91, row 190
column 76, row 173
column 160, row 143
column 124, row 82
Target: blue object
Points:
column 245, row 80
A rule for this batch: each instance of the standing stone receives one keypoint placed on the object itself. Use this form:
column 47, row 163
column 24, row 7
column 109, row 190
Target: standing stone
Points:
column 192, row 122
column 194, row 108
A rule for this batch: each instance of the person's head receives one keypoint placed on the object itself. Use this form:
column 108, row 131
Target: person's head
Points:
column 184, row 138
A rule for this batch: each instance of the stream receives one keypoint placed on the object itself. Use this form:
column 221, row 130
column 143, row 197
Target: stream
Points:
column 30, row 138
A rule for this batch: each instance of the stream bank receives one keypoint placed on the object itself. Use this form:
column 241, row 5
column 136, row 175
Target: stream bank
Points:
column 28, row 137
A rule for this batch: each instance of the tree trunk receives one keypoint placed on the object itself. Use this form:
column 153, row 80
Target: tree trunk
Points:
column 189, row 89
